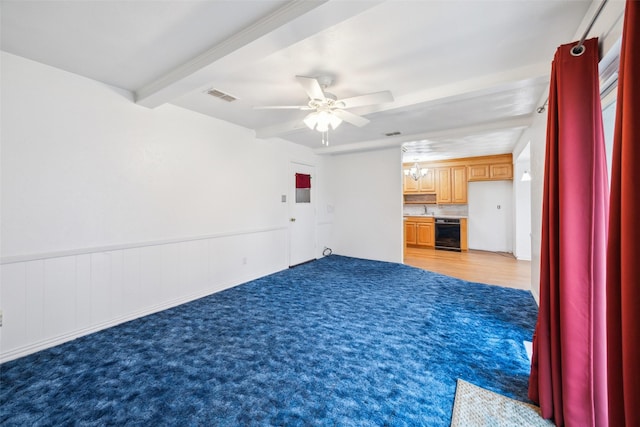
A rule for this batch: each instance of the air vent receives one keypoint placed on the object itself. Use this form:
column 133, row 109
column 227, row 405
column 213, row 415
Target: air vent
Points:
column 219, row 94
column 396, row 133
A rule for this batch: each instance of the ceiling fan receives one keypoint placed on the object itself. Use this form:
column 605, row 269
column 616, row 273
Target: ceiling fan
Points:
column 327, row 111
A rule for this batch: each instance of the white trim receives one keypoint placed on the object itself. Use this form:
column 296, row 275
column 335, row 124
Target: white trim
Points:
column 60, row 339
column 82, row 251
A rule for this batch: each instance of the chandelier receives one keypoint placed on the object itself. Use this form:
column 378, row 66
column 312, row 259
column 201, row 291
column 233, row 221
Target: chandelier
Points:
column 321, row 121
column 416, row 172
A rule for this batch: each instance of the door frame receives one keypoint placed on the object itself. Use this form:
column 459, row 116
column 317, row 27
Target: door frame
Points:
column 294, row 167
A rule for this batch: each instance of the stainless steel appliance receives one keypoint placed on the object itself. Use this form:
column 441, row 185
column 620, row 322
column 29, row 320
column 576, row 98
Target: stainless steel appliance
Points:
column 448, row 234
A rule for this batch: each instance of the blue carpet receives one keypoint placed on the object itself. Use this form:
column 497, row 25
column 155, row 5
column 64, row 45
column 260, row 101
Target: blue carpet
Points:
column 340, row 341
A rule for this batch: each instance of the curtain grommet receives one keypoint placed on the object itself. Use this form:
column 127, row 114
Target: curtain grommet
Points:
column 578, row 50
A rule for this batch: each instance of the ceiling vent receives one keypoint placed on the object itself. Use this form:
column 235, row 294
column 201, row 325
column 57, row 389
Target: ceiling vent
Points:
column 219, row 94
column 396, row 133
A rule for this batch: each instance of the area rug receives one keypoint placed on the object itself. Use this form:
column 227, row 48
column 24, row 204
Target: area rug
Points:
column 339, row 341
column 477, row 407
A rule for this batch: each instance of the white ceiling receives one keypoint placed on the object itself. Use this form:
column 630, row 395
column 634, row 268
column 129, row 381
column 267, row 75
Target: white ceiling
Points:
column 466, row 75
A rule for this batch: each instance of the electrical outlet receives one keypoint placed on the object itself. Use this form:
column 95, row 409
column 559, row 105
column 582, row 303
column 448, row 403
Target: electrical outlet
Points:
column 244, row 261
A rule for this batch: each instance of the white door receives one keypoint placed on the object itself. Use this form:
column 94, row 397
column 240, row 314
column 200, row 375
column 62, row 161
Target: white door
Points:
column 302, row 216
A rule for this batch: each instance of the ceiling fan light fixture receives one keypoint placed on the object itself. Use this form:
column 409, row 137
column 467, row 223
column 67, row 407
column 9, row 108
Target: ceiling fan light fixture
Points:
column 311, row 120
column 322, row 120
column 334, row 121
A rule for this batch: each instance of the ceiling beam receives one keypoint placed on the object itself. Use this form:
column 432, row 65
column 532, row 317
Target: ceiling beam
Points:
column 395, row 141
column 470, row 88
column 295, row 21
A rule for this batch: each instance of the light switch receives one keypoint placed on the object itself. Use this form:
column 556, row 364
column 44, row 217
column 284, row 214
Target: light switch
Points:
column 284, row 198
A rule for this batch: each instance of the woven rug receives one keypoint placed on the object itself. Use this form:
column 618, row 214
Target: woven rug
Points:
column 475, row 406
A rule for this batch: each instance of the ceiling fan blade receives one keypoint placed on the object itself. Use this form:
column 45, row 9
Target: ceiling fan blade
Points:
column 368, row 99
column 283, row 107
column 354, row 119
column 280, row 129
column 312, row 87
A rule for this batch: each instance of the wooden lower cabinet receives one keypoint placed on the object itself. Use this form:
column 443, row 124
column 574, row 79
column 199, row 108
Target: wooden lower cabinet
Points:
column 425, row 234
column 464, row 244
column 419, row 231
column 410, row 233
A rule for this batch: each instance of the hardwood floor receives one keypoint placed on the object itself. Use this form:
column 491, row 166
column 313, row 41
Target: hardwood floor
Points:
column 475, row 266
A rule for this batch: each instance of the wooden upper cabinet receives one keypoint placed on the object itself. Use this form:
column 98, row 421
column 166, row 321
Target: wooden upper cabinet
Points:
column 448, row 179
column 411, row 185
column 459, row 184
column 443, row 185
column 451, row 185
column 426, row 183
column 490, row 168
column 501, row 171
column 478, row 172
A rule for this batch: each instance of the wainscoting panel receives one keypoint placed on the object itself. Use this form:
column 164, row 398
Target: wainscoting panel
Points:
column 34, row 290
column 60, row 305
column 49, row 300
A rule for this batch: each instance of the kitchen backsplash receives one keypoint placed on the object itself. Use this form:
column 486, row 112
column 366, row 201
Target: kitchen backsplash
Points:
column 454, row 210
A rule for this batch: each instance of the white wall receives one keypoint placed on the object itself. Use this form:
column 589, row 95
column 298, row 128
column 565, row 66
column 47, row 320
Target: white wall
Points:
column 490, row 227
column 366, row 196
column 522, row 206
column 111, row 210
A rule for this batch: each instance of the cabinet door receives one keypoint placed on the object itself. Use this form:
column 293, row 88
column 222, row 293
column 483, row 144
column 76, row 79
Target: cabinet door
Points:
column 410, row 237
column 411, row 186
column 459, row 184
column 464, row 245
column 425, row 233
column 501, row 171
column 443, row 185
column 478, row 173
column 428, row 182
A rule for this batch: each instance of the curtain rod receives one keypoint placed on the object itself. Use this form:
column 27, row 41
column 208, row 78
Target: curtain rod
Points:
column 578, row 49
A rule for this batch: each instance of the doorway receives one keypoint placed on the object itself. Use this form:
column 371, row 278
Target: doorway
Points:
column 302, row 214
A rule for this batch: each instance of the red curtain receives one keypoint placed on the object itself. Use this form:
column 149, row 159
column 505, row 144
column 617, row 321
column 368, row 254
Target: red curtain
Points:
column 623, row 255
column 568, row 372
column 303, row 180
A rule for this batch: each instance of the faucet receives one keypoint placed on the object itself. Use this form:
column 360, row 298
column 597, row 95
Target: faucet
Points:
column 426, row 210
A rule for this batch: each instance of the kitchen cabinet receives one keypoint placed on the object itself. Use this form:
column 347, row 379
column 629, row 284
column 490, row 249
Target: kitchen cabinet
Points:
column 464, row 243
column 443, row 185
column 478, row 173
column 410, row 233
column 501, row 171
column 451, row 185
column 419, row 231
column 425, row 233
column 411, row 186
column 459, row 184
column 426, row 183
column 495, row 171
